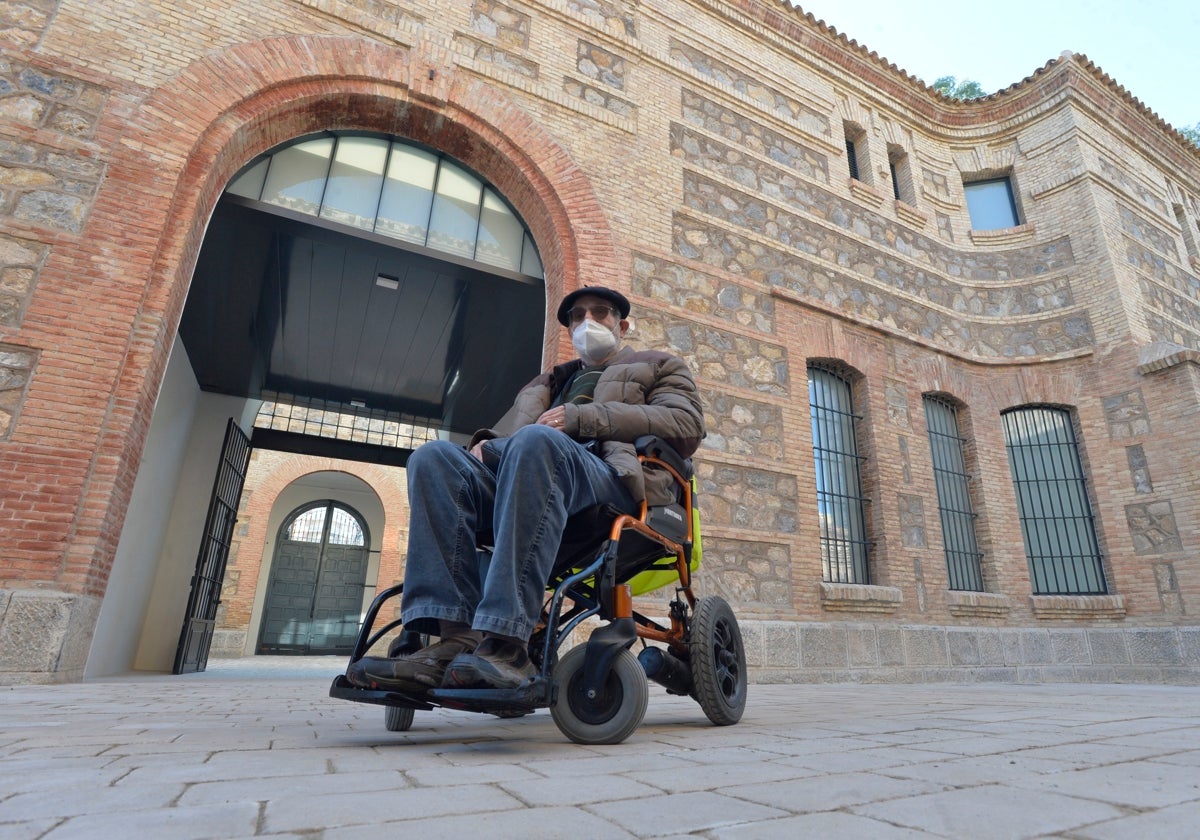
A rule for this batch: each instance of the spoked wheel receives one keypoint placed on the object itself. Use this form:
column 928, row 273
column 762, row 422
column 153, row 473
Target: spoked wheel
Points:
column 718, row 661
column 399, row 718
column 612, row 716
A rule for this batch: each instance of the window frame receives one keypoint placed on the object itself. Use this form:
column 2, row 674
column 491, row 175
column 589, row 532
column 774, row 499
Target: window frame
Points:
column 952, row 481
column 980, row 214
column 1043, row 514
column 837, row 470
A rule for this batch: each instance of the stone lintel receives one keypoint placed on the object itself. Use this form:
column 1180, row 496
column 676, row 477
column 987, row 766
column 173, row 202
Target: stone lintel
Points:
column 1004, row 236
column 865, row 192
column 859, row 598
column 1078, row 607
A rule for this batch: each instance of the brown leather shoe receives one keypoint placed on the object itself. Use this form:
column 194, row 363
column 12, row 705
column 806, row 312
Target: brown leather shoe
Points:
column 415, row 672
column 496, row 663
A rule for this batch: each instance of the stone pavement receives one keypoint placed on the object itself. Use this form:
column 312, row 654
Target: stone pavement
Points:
column 256, row 748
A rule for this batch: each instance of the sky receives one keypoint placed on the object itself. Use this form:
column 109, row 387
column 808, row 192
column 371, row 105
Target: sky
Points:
column 1150, row 47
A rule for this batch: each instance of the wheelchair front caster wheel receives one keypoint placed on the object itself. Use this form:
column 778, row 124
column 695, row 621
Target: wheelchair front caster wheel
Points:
column 398, row 718
column 718, row 661
column 609, row 718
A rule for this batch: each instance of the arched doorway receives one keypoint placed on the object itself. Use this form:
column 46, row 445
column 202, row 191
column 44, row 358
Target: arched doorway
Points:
column 315, row 590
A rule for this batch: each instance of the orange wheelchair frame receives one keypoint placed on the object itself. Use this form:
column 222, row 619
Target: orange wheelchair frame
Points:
column 597, row 691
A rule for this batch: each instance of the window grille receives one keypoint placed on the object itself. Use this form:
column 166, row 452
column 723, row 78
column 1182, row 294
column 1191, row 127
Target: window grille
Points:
column 953, row 493
column 327, row 419
column 840, row 501
column 852, row 158
column 1057, row 526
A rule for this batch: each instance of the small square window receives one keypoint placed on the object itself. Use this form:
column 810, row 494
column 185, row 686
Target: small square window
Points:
column 991, row 204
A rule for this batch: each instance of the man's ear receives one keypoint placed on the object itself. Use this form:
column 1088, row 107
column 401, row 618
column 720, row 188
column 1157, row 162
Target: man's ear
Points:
column 624, row 325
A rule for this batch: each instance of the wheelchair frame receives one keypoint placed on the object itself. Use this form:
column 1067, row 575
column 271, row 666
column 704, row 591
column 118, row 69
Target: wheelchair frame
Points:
column 597, row 691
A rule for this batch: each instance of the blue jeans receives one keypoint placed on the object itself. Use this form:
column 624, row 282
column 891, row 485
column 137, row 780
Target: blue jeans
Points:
column 532, row 482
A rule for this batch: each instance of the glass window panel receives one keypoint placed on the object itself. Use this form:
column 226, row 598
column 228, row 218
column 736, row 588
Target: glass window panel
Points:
column 455, row 219
column 355, row 181
column 407, row 194
column 250, row 183
column 297, row 176
column 308, row 526
column 500, row 234
column 531, row 262
column 345, row 529
column 990, row 204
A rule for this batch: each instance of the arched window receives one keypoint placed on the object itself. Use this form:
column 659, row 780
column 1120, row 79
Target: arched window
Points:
column 840, row 499
column 389, row 187
column 1057, row 525
column 953, row 493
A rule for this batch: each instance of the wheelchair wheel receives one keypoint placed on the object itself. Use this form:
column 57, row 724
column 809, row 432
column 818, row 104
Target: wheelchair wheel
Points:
column 398, row 718
column 609, row 718
column 718, row 661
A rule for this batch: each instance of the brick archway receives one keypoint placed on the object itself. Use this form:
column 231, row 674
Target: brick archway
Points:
column 180, row 148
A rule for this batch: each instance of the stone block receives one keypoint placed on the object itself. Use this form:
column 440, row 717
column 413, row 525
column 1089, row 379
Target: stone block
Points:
column 753, row 638
column 861, row 645
column 1108, row 647
column 1069, row 647
column 1189, row 645
column 823, row 646
column 963, row 645
column 34, row 627
column 891, row 644
column 782, row 648
column 991, row 646
column 1154, row 646
column 1035, row 647
column 924, row 646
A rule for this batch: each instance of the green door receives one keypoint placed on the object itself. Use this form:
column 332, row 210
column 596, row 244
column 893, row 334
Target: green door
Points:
column 315, row 590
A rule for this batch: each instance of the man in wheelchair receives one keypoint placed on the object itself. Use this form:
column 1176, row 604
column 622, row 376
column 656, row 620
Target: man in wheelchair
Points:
column 565, row 446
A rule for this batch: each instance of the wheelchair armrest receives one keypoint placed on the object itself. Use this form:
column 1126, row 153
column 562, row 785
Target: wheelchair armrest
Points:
column 652, row 446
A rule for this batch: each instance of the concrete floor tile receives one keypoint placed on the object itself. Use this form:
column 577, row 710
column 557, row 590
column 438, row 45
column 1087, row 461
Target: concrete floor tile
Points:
column 525, row 824
column 196, row 823
column 993, row 812
column 312, row 812
column 1175, row 821
column 682, row 813
column 829, row 792
column 824, row 825
column 1142, row 784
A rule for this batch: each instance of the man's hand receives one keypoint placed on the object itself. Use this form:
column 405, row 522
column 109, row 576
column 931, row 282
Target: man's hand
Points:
column 477, row 449
column 554, row 417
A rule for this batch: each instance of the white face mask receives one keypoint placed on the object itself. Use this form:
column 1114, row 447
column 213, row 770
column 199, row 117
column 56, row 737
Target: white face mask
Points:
column 593, row 342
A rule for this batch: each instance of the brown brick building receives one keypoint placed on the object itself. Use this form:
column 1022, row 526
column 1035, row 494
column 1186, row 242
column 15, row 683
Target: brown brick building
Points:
column 950, row 350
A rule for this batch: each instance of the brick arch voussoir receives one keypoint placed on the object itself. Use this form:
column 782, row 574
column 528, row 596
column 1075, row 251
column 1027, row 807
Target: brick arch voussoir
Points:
column 175, row 154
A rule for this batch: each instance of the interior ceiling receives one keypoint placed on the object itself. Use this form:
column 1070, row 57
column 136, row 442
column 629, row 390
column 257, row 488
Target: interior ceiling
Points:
column 283, row 306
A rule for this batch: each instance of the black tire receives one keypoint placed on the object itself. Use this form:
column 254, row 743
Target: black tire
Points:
column 611, row 718
column 398, row 718
column 718, row 661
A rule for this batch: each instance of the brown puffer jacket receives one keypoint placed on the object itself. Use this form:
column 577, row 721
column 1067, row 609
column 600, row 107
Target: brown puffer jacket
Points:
column 640, row 392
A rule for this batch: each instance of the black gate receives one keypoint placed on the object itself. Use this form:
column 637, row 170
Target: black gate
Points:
column 201, row 617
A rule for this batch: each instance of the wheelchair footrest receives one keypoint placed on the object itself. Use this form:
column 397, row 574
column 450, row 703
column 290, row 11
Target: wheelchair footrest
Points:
column 343, row 689
column 535, row 693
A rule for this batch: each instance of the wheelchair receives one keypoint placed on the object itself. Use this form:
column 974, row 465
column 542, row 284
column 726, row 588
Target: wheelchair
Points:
column 597, row 691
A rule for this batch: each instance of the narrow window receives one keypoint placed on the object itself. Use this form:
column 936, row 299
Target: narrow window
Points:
column 840, row 500
column 902, row 183
column 953, row 493
column 1057, row 525
column 857, row 156
column 1189, row 241
column 991, row 204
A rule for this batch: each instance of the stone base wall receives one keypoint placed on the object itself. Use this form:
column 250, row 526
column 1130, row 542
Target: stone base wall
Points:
column 44, row 635
column 803, row 652
column 228, row 644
